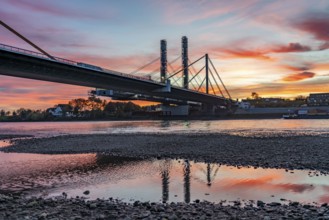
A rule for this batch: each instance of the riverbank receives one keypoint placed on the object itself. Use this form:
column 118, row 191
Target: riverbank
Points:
column 280, row 151
column 11, row 136
column 12, row 207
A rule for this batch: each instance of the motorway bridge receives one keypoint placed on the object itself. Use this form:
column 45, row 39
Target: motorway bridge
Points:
column 28, row 64
column 32, row 65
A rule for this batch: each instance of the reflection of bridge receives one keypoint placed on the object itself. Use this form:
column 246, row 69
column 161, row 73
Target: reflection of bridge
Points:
column 206, row 91
column 166, row 166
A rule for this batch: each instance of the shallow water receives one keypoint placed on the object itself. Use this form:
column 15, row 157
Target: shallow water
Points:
column 154, row 180
column 259, row 127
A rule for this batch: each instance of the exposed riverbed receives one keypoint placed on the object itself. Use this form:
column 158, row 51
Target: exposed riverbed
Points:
column 168, row 162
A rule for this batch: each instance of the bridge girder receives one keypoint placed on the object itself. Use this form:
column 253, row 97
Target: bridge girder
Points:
column 25, row 66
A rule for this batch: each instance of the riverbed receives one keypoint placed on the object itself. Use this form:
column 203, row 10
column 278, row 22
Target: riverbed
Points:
column 272, row 161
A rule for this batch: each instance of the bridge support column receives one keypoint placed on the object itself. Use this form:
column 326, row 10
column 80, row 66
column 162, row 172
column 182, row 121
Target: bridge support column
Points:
column 208, row 109
column 185, row 61
column 207, row 74
column 163, row 68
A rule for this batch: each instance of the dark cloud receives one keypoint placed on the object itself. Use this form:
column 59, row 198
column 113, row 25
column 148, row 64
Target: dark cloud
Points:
column 299, row 76
column 48, row 98
column 316, row 25
column 302, row 67
column 291, row 47
column 233, row 51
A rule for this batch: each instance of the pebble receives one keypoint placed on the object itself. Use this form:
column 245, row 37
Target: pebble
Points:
column 104, row 209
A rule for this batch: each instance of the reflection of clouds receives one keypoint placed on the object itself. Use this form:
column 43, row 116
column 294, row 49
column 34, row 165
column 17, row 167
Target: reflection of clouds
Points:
column 264, row 183
column 325, row 188
column 324, row 199
column 297, row 188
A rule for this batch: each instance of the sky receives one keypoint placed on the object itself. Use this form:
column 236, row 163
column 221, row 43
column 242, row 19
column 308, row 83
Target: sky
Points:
column 274, row 48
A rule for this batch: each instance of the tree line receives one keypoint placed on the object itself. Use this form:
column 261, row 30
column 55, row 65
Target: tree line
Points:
column 82, row 108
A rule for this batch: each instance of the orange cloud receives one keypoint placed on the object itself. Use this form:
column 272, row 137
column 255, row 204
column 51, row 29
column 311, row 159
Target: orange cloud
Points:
column 299, row 76
column 240, row 53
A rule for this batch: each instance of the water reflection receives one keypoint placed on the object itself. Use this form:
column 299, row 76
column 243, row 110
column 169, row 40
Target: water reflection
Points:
column 153, row 180
column 165, row 177
column 187, row 185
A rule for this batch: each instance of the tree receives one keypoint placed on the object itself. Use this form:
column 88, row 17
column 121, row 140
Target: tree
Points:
column 254, row 95
column 300, row 98
column 78, row 105
column 131, row 107
column 110, row 108
column 2, row 113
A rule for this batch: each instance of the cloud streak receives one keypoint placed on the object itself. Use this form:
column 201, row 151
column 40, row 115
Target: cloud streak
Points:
column 56, row 10
column 233, row 50
column 298, row 76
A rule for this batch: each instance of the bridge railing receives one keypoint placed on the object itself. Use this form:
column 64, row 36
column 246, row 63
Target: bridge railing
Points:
column 32, row 53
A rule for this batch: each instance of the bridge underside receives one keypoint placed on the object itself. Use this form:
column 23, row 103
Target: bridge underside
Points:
column 25, row 66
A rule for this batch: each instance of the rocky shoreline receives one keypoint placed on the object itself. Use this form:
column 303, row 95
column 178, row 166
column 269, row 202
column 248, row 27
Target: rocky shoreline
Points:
column 287, row 152
column 13, row 207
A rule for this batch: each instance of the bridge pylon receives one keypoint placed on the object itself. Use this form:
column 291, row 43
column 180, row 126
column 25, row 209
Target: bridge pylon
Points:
column 185, row 62
column 163, row 60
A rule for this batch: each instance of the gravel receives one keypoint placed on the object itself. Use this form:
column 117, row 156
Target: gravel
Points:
column 288, row 152
column 77, row 208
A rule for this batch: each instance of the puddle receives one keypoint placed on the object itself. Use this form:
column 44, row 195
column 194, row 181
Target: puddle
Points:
column 154, row 180
column 4, row 143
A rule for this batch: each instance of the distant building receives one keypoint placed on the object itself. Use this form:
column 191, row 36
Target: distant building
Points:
column 61, row 110
column 244, row 105
column 318, row 99
column 272, row 100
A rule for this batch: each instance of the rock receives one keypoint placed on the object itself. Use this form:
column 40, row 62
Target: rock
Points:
column 260, row 203
column 294, row 203
column 31, row 204
column 87, row 192
column 93, row 206
column 43, row 216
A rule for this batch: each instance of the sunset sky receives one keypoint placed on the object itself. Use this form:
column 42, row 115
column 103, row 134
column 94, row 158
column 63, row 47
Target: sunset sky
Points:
column 274, row 48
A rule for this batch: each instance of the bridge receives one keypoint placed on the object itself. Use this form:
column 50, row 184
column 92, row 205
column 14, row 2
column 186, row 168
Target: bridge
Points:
column 40, row 65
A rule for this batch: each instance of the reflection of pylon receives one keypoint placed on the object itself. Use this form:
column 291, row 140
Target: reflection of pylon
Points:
column 210, row 177
column 165, row 176
column 187, row 182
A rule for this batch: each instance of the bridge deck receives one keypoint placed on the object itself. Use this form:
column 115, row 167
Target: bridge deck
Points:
column 28, row 64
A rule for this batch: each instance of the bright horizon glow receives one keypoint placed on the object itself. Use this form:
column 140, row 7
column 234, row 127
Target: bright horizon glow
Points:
column 274, row 48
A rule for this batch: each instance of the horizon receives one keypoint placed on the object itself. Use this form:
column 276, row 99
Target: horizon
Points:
column 277, row 49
